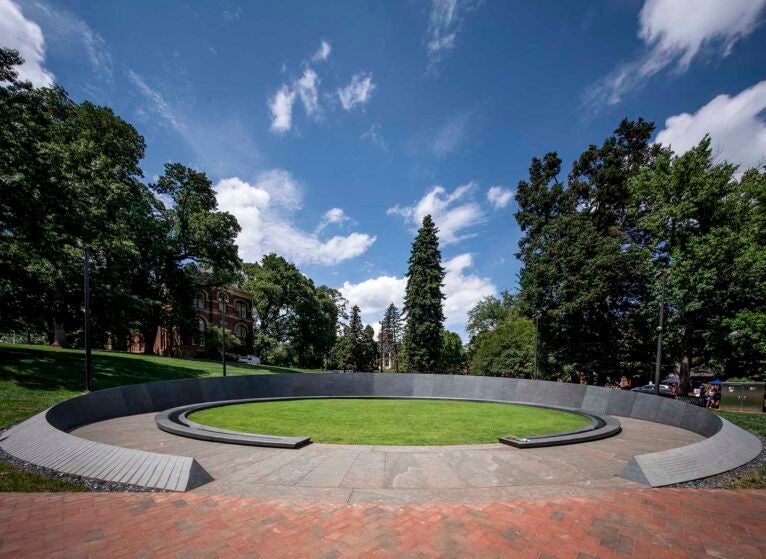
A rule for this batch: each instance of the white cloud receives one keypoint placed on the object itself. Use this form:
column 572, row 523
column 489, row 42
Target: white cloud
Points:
column 322, row 53
column 281, row 103
column 25, row 36
column 735, row 124
column 676, row 31
column 499, row 197
column 452, row 212
column 232, row 16
column 158, row 104
column 333, row 216
column 358, row 92
column 461, row 290
column 266, row 210
column 443, row 26
column 223, row 146
column 375, row 137
column 451, row 136
column 375, row 294
column 307, row 89
column 281, row 106
column 70, row 36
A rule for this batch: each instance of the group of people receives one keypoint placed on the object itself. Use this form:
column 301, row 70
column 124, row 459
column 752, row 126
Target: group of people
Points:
column 623, row 384
column 712, row 395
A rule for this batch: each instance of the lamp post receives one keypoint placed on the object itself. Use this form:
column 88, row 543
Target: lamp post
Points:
column 658, row 363
column 86, row 297
column 537, row 330
column 223, row 300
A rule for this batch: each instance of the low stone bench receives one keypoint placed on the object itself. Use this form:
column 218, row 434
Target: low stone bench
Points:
column 175, row 421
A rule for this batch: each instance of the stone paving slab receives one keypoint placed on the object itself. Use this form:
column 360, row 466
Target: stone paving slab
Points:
column 400, row 473
column 645, row 523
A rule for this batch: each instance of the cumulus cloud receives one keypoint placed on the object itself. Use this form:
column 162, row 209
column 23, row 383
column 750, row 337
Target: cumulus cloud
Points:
column 25, row 36
column 735, row 124
column 453, row 212
column 69, row 35
column 357, row 92
column 333, row 216
column 674, row 32
column 323, row 53
column 443, row 26
column 375, row 294
column 281, row 106
column 499, row 197
column 462, row 290
column 266, row 210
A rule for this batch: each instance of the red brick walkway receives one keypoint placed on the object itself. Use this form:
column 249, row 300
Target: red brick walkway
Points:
column 646, row 524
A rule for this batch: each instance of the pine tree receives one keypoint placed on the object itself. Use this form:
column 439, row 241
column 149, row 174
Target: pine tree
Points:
column 390, row 336
column 423, row 302
column 352, row 350
column 369, row 356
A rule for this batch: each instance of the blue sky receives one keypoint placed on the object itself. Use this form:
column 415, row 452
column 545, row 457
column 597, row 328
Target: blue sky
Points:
column 331, row 128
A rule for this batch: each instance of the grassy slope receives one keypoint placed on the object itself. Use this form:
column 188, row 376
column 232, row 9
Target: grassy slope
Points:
column 390, row 422
column 14, row 479
column 33, row 378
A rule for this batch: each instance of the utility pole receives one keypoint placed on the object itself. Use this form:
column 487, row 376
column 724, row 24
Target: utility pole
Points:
column 223, row 300
column 86, row 296
column 658, row 364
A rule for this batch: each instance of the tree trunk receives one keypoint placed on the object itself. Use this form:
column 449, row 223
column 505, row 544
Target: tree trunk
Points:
column 59, row 334
column 684, row 376
column 149, row 336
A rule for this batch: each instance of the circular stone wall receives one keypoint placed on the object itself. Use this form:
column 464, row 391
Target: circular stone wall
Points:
column 43, row 439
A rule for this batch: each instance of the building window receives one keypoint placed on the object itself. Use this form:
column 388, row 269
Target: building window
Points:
column 241, row 309
column 199, row 300
column 240, row 330
column 201, row 334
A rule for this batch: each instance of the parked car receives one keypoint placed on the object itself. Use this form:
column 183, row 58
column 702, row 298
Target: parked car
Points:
column 649, row 389
column 249, row 360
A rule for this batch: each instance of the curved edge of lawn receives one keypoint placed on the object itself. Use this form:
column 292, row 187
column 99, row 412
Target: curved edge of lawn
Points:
column 387, row 422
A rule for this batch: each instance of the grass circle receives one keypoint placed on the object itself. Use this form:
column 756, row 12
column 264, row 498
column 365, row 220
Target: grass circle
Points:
column 390, row 422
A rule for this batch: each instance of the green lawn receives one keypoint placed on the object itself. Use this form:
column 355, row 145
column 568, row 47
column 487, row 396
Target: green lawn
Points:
column 33, row 378
column 390, row 422
column 755, row 422
column 15, row 479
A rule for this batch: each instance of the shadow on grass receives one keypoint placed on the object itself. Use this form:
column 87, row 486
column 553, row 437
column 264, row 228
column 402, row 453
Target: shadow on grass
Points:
column 54, row 370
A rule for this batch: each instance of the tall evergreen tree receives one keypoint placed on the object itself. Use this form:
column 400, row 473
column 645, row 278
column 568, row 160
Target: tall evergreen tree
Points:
column 369, row 353
column 423, row 302
column 390, row 336
column 351, row 352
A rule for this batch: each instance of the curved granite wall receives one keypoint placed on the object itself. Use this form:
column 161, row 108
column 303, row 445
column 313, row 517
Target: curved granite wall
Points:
column 726, row 446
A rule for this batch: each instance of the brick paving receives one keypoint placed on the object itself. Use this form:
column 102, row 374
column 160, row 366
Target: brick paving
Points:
column 646, row 524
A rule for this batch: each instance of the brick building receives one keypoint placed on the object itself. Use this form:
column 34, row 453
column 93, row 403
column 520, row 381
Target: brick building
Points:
column 238, row 320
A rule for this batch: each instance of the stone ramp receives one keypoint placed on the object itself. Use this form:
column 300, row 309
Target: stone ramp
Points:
column 36, row 441
column 729, row 448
